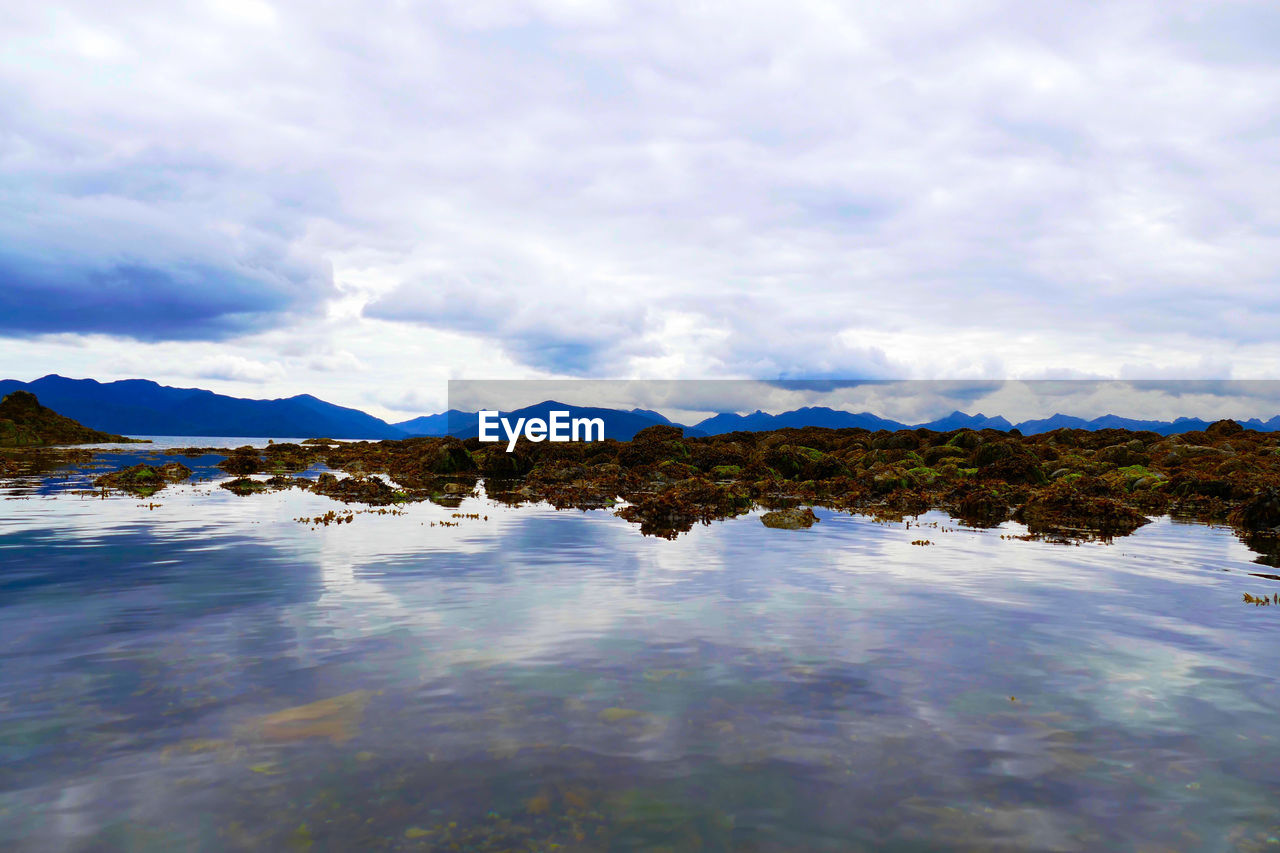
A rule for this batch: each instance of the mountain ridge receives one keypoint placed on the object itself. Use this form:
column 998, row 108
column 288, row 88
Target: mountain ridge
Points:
column 619, row 424
column 145, row 407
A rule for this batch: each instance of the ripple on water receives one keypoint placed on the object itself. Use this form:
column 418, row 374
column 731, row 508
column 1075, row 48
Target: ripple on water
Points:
column 202, row 671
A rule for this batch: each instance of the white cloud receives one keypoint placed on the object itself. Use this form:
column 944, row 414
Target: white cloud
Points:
column 337, row 361
column 237, row 369
column 607, row 188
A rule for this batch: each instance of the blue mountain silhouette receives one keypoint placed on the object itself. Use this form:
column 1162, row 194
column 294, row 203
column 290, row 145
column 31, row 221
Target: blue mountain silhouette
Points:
column 143, row 407
column 618, row 424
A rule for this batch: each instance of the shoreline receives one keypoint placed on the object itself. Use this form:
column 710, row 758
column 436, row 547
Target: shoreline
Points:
column 1064, row 485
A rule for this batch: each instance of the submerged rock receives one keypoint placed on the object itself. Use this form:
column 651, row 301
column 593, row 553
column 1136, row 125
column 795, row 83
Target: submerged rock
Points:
column 336, row 719
column 796, row 518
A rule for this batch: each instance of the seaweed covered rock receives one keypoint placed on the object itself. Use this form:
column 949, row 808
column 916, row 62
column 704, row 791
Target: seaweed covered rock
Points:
column 795, row 518
column 938, row 453
column 366, row 490
column 244, row 486
column 965, row 439
column 1123, row 454
column 1261, row 512
column 678, row 507
column 1064, row 508
column 982, row 506
column 658, row 433
column 654, row 445
column 1020, row 467
column 415, row 462
column 242, row 461
column 444, row 455
column 797, row 462
column 494, row 461
column 287, row 457
column 1195, row 486
column 1103, row 482
column 900, row 440
column 1223, row 428
column 143, row 479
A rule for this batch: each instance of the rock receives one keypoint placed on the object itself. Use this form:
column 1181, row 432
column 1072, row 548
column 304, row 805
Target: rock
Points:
column 934, row 455
column 796, row 518
column 679, row 506
column 143, row 479
column 26, row 423
column 1123, row 455
column 1223, row 428
column 366, row 490
column 658, row 432
column 900, row 440
column 966, row 439
column 337, row 719
column 982, row 507
column 1062, row 508
column 1262, row 512
column 244, row 486
column 243, row 461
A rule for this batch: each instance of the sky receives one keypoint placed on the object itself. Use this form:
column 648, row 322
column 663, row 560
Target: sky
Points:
column 363, row 200
column 909, row 401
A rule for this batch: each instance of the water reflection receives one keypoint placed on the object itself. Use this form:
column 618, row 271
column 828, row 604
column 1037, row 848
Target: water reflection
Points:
column 201, row 671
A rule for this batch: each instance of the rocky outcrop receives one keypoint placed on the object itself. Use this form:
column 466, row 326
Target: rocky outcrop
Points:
column 26, row 423
column 796, row 518
column 143, row 479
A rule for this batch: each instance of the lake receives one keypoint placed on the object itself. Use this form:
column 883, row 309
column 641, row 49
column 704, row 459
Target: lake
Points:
column 201, row 671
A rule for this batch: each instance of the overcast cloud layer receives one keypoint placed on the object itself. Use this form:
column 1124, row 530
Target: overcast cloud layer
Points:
column 361, row 200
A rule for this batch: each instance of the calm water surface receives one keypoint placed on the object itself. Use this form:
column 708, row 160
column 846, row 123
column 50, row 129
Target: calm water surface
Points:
column 200, row 671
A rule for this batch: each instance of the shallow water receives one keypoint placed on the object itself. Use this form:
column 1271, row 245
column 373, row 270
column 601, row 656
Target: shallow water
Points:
column 201, row 671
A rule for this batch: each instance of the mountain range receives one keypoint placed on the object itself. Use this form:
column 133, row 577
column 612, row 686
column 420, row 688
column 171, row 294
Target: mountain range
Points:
column 143, row 407
column 618, row 424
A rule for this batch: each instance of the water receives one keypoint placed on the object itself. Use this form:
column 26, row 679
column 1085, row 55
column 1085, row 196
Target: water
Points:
column 200, row 671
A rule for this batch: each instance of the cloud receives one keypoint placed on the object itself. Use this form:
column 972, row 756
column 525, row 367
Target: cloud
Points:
column 622, row 188
column 568, row 328
column 337, row 361
column 908, row 401
column 145, row 301
column 411, row 402
column 119, row 217
column 149, row 251
column 236, row 368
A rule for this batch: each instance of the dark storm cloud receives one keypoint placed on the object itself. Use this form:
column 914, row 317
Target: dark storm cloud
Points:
column 193, row 301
